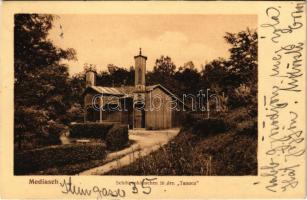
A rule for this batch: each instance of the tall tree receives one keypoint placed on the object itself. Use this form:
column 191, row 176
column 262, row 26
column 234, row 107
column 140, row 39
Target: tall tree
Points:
column 116, row 76
column 165, row 66
column 215, row 75
column 243, row 61
column 237, row 75
column 188, row 79
column 163, row 73
column 41, row 81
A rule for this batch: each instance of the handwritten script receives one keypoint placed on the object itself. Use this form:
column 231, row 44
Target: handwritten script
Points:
column 101, row 192
column 285, row 137
column 278, row 28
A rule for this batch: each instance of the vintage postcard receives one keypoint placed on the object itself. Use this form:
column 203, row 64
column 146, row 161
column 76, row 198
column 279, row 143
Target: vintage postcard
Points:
column 153, row 100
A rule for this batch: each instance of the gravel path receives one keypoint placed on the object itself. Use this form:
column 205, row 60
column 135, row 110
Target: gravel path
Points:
column 145, row 142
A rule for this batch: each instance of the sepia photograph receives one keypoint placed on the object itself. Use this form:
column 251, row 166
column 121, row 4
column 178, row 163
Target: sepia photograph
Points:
column 135, row 94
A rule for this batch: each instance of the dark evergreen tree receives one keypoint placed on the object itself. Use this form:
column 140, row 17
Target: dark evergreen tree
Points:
column 41, row 81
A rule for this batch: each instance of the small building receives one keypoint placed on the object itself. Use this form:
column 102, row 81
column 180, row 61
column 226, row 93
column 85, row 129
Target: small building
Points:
column 140, row 106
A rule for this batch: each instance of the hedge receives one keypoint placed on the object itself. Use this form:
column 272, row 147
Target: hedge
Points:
column 117, row 137
column 90, row 130
column 34, row 160
column 210, row 126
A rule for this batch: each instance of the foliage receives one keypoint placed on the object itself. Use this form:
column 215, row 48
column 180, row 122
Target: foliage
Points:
column 248, row 127
column 29, row 161
column 231, row 148
column 43, row 105
column 240, row 70
column 77, row 87
column 163, row 73
column 75, row 113
column 223, row 154
column 54, row 132
column 90, row 130
column 117, row 137
column 215, row 75
column 241, row 96
column 165, row 66
column 243, row 55
column 176, row 158
column 230, row 152
column 188, row 79
column 41, row 81
column 188, row 120
column 33, row 118
column 115, row 76
column 209, row 126
column 221, row 75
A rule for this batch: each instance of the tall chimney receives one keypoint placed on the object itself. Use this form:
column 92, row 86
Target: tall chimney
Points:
column 140, row 70
column 90, row 78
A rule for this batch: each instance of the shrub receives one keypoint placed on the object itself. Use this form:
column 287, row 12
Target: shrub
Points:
column 253, row 107
column 178, row 157
column 52, row 136
column 90, row 130
column 248, row 127
column 188, row 154
column 232, row 154
column 75, row 113
column 117, row 137
column 244, row 95
column 56, row 156
column 29, row 120
column 209, row 126
column 188, row 120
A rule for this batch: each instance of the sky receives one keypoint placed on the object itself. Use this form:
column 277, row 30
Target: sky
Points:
column 116, row 39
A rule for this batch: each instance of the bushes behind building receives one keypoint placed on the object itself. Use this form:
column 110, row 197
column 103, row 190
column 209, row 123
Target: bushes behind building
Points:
column 57, row 156
column 90, row 130
column 117, row 137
